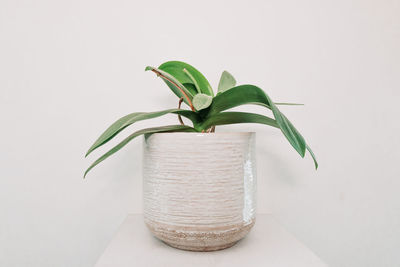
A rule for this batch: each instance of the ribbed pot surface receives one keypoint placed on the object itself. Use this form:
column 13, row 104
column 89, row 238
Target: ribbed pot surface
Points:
column 199, row 189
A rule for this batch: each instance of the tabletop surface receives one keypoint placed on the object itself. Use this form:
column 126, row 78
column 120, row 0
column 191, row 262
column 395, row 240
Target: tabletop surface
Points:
column 268, row 244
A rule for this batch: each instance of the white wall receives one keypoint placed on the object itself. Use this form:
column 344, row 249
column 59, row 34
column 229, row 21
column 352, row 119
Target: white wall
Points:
column 70, row 68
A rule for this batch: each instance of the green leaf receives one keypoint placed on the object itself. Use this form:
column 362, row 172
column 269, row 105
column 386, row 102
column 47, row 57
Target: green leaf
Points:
column 289, row 131
column 191, row 88
column 237, row 117
column 196, row 85
column 175, row 68
column 250, row 94
column 288, row 104
column 313, row 157
column 243, row 117
column 226, row 82
column 201, row 101
column 173, row 84
column 169, row 128
column 236, row 96
column 129, row 119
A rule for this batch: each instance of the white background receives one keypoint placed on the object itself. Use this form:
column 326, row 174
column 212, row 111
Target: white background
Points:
column 68, row 69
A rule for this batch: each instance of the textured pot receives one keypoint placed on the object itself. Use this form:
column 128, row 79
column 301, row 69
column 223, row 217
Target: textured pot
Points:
column 199, row 189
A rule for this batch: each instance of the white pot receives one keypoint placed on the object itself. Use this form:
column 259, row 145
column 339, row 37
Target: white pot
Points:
column 199, row 188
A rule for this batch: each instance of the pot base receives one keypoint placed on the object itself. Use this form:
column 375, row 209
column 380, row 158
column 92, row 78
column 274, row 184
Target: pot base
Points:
column 201, row 249
column 200, row 238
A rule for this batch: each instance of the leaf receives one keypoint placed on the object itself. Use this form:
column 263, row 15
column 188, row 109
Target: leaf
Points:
column 175, row 68
column 288, row 104
column 226, row 82
column 243, row 117
column 201, row 101
column 250, row 94
column 174, row 85
column 290, row 132
column 191, row 88
column 237, row 117
column 313, row 157
column 127, row 120
column 196, row 85
column 236, row 96
column 169, row 128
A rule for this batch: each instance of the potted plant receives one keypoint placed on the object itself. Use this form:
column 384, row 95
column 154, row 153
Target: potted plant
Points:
column 199, row 185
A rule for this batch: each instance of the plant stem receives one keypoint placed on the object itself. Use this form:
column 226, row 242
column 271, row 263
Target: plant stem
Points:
column 179, row 107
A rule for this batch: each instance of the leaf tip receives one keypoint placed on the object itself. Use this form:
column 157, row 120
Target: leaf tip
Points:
column 225, row 72
column 90, row 150
column 302, row 151
column 87, row 171
column 316, row 164
column 148, row 68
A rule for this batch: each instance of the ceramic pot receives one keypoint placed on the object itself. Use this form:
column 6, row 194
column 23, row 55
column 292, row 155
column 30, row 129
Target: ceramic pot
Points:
column 199, row 188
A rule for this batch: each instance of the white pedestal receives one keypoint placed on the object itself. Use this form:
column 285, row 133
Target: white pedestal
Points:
column 268, row 244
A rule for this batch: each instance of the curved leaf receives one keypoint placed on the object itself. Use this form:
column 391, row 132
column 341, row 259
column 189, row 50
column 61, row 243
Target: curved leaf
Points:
column 237, row 117
column 313, row 156
column 201, row 101
column 175, row 68
column 129, row 119
column 251, row 94
column 291, row 133
column 288, row 104
column 169, row 128
column 226, row 82
column 174, row 85
column 237, row 96
column 196, row 85
column 243, row 117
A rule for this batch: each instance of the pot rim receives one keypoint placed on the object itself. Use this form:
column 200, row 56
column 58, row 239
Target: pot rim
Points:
column 198, row 135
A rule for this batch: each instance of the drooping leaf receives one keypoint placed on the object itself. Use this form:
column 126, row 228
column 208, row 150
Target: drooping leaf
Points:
column 237, row 117
column 313, row 157
column 288, row 104
column 226, row 82
column 201, row 101
column 175, row 68
column 176, row 86
column 250, row 94
column 290, row 132
column 129, row 119
column 224, row 118
column 169, row 128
